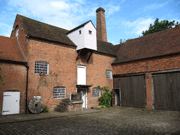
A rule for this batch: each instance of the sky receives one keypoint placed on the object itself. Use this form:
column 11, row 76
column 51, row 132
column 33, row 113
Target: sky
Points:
column 125, row 19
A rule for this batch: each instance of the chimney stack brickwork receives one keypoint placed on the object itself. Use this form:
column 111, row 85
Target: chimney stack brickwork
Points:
column 101, row 24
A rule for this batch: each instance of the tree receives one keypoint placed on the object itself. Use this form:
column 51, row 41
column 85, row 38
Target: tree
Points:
column 121, row 41
column 159, row 26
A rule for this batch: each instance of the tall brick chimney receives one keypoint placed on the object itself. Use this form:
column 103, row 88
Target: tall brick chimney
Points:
column 101, row 24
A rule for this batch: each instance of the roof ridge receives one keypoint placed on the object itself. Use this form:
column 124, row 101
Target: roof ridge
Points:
column 79, row 26
column 42, row 22
column 162, row 31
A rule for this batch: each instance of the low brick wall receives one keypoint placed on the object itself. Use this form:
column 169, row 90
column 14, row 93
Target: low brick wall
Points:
column 75, row 106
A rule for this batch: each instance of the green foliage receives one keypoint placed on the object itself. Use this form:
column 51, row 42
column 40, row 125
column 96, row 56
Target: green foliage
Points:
column 121, row 41
column 106, row 97
column 104, row 88
column 98, row 107
column 45, row 109
column 42, row 80
column 159, row 26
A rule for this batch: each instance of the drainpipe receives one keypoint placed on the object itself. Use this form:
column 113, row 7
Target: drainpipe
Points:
column 26, row 106
column 27, row 68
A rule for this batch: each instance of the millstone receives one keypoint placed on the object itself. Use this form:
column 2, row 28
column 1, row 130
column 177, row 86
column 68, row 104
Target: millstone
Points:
column 36, row 105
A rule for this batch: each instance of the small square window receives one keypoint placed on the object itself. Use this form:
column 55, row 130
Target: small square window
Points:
column 79, row 31
column 90, row 32
column 96, row 92
column 59, row 92
column 108, row 74
column 41, row 66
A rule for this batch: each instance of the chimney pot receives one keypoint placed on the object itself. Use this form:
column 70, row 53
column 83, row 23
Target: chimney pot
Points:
column 100, row 9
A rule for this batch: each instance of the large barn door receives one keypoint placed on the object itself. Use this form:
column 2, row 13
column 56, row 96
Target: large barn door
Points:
column 11, row 103
column 167, row 91
column 133, row 91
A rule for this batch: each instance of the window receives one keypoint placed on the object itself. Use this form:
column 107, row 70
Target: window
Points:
column 79, row 31
column 108, row 74
column 90, row 32
column 17, row 32
column 41, row 66
column 59, row 92
column 96, row 92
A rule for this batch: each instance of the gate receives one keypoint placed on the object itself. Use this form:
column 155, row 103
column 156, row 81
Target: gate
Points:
column 167, row 91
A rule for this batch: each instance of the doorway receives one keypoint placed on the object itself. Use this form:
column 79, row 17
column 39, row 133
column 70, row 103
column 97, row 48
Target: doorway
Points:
column 84, row 96
column 11, row 103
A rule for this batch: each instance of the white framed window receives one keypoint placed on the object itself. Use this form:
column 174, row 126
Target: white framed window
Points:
column 96, row 92
column 90, row 32
column 41, row 66
column 108, row 74
column 59, row 92
column 17, row 32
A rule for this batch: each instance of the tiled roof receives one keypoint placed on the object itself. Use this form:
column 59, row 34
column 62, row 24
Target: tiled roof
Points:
column 10, row 49
column 45, row 31
column 106, row 48
column 162, row 43
column 82, row 25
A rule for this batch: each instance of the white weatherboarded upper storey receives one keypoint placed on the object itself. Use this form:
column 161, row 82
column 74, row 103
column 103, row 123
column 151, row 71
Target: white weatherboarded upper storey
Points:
column 84, row 36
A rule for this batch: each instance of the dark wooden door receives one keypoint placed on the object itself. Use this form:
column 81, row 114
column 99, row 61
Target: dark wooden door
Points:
column 132, row 91
column 167, row 91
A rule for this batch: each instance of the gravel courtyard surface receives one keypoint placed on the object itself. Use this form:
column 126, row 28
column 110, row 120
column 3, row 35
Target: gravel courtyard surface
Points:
column 111, row 121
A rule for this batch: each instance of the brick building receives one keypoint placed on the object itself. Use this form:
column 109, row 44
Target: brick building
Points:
column 81, row 59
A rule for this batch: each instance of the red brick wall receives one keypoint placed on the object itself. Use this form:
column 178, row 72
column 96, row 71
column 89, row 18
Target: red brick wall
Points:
column 156, row 64
column 23, row 41
column 148, row 79
column 62, row 61
column 145, row 66
column 14, row 77
column 96, row 74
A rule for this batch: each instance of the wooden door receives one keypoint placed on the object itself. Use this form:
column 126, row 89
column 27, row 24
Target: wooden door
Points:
column 81, row 75
column 11, row 102
column 167, row 91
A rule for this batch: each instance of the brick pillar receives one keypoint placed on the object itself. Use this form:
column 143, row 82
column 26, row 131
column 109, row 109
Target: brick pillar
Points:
column 148, row 78
column 101, row 24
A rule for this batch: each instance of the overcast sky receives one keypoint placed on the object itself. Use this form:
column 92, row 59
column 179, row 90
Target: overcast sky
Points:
column 125, row 19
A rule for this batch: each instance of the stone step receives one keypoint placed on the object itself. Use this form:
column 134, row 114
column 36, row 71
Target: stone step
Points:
column 60, row 109
column 65, row 99
column 61, row 106
column 63, row 103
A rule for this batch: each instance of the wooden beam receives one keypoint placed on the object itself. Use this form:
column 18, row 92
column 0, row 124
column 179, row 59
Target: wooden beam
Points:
column 78, row 55
column 89, row 56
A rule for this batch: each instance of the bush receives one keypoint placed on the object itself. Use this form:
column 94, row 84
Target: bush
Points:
column 45, row 109
column 106, row 98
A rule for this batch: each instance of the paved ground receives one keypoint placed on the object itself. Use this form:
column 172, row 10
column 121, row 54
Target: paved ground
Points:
column 113, row 121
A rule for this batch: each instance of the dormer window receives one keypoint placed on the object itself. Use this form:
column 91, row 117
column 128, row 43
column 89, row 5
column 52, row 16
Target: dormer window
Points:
column 79, row 31
column 17, row 32
column 90, row 32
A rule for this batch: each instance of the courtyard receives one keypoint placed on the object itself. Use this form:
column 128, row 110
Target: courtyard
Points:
column 112, row 121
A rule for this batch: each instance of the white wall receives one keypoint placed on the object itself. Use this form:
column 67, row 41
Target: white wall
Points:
column 77, row 39
column 90, row 39
column 84, row 40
